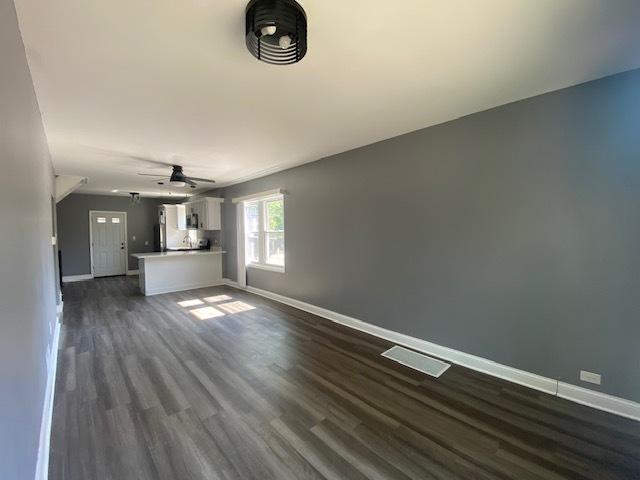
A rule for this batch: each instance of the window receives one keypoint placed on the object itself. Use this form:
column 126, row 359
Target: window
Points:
column 264, row 233
column 102, row 220
column 115, row 220
column 191, row 236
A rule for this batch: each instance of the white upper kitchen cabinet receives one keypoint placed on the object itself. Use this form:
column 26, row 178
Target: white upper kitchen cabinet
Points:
column 181, row 220
column 208, row 212
column 198, row 207
column 211, row 218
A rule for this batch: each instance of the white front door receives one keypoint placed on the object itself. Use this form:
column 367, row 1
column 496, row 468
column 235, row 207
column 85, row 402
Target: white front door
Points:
column 108, row 239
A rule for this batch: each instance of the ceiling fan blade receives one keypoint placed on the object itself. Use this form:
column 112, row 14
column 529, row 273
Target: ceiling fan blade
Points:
column 150, row 160
column 153, row 175
column 189, row 181
column 120, row 154
column 202, row 179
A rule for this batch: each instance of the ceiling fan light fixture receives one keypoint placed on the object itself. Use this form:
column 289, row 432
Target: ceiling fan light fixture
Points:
column 276, row 31
column 177, row 178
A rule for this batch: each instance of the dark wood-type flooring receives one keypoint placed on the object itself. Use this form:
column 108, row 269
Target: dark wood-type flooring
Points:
column 147, row 390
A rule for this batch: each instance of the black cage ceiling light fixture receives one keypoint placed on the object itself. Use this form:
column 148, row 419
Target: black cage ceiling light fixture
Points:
column 276, row 31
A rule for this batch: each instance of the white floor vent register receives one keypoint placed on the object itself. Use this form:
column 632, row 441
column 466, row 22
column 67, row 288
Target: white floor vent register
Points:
column 417, row 361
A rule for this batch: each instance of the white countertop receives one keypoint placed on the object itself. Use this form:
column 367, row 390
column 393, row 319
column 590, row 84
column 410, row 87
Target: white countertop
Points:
column 177, row 253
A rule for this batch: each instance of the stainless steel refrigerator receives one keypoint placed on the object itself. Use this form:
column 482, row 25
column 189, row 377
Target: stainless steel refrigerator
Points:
column 172, row 227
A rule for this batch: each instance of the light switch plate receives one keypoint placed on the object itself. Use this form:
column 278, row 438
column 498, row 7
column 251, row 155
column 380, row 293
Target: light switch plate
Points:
column 590, row 377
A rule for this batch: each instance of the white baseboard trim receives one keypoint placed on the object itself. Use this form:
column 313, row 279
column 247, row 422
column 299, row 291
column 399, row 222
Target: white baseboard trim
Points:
column 182, row 288
column 77, row 278
column 601, row 401
column 455, row 356
column 88, row 276
column 42, row 467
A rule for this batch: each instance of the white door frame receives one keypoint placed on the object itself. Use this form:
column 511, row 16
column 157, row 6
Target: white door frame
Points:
column 126, row 238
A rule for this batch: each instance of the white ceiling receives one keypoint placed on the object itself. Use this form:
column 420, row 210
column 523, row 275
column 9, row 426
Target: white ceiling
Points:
column 121, row 79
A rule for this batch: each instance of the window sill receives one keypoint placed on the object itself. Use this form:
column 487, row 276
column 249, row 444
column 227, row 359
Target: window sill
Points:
column 270, row 268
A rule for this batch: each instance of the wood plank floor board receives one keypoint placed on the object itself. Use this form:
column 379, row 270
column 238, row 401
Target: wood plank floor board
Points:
column 280, row 449
column 531, row 415
column 323, row 459
column 146, row 389
column 412, row 463
column 356, row 453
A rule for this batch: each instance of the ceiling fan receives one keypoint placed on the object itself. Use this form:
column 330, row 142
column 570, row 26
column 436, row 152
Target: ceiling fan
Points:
column 178, row 178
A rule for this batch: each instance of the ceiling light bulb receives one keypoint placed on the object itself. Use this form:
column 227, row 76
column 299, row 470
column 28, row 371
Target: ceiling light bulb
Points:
column 114, row 191
column 284, row 42
column 268, row 30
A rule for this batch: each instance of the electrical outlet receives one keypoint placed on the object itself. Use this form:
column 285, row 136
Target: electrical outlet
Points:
column 146, row 242
column 590, row 377
column 133, row 238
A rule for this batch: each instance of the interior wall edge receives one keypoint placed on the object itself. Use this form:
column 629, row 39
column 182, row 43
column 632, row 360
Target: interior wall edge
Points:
column 28, row 293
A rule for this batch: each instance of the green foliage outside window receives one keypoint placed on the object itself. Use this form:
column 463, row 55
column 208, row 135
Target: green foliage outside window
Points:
column 275, row 216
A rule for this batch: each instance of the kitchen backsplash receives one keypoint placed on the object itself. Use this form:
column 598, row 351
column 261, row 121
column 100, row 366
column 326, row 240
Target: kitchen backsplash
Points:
column 213, row 236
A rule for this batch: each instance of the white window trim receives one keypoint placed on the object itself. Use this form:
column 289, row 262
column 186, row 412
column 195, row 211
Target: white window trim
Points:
column 266, row 266
column 259, row 196
column 261, row 200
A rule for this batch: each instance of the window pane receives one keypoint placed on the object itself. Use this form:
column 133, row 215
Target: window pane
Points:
column 251, row 219
column 275, row 248
column 251, row 247
column 274, row 210
column 102, row 220
column 115, row 220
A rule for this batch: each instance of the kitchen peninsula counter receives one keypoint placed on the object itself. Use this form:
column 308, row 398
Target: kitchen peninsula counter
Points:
column 174, row 271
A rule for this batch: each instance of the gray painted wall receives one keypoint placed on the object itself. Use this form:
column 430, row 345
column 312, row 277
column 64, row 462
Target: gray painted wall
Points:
column 512, row 234
column 27, row 276
column 73, row 227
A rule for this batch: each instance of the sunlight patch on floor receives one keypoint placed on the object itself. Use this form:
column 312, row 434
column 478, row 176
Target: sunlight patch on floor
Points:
column 205, row 313
column 235, row 307
column 217, row 298
column 191, row 303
